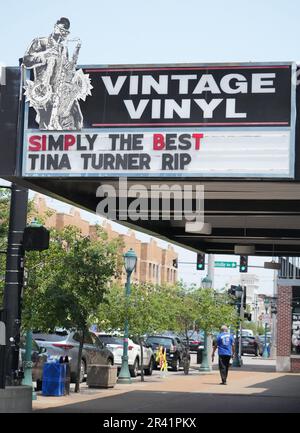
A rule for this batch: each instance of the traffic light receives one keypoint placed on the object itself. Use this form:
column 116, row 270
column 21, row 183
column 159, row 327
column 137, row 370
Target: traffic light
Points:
column 231, row 291
column 175, row 263
column 248, row 316
column 235, row 294
column 35, row 238
column 200, row 262
column 243, row 263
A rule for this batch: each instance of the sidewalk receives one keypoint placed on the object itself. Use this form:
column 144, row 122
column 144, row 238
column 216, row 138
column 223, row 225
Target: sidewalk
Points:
column 254, row 378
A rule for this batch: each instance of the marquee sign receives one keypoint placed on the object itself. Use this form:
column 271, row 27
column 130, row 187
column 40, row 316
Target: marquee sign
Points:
column 235, row 120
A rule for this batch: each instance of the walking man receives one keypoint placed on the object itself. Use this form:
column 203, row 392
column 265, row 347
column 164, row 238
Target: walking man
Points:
column 225, row 346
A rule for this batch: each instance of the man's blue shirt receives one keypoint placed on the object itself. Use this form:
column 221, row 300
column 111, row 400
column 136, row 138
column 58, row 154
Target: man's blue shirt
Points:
column 225, row 341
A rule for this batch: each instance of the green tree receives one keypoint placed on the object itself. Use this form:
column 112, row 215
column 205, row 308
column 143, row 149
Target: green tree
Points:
column 183, row 308
column 147, row 309
column 214, row 309
column 67, row 282
column 200, row 308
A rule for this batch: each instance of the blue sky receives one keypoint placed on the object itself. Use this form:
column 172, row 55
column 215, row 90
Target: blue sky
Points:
column 162, row 31
column 159, row 31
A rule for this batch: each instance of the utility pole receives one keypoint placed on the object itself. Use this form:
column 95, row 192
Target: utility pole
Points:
column 14, row 280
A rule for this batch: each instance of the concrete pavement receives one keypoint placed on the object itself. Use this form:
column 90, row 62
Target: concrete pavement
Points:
column 254, row 387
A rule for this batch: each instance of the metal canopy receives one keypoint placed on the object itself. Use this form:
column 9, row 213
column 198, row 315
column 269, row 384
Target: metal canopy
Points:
column 260, row 213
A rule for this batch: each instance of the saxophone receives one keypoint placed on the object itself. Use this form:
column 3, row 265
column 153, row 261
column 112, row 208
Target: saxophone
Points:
column 65, row 93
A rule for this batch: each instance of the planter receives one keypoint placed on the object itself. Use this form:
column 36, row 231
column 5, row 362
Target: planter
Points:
column 101, row 376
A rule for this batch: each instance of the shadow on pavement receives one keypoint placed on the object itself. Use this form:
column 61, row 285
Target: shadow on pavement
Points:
column 182, row 402
column 285, row 387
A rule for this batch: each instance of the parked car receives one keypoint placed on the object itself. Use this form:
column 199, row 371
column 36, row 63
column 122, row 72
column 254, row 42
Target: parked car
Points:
column 251, row 346
column 195, row 340
column 115, row 344
column 66, row 343
column 39, row 356
column 247, row 333
column 176, row 350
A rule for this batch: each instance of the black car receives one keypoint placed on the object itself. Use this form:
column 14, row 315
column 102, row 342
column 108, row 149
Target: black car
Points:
column 251, row 346
column 176, row 350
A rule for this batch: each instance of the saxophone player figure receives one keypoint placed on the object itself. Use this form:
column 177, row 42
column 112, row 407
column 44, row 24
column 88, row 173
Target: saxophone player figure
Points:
column 57, row 86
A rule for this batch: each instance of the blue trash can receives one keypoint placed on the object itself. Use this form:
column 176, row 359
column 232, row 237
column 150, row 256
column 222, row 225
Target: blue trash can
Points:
column 54, row 377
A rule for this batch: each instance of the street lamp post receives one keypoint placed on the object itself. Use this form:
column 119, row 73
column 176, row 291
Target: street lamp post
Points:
column 265, row 352
column 27, row 364
column 130, row 259
column 237, row 359
column 206, row 284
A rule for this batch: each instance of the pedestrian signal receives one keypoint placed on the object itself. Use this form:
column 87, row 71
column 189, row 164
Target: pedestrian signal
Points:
column 35, row 238
column 175, row 263
column 243, row 263
column 200, row 262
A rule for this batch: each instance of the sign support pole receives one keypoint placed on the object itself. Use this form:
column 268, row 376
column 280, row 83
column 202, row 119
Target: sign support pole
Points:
column 14, row 279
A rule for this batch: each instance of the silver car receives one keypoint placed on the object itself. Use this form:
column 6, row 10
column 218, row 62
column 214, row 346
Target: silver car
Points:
column 66, row 343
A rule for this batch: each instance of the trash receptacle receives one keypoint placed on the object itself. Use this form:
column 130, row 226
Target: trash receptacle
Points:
column 199, row 355
column 54, row 375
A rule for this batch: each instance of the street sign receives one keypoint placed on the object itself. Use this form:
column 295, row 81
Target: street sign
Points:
column 225, row 264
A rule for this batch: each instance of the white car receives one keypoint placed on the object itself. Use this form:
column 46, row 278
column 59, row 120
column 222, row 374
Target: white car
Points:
column 115, row 345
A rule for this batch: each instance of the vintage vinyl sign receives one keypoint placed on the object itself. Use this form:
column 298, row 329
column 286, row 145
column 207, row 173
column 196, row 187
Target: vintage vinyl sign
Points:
column 187, row 120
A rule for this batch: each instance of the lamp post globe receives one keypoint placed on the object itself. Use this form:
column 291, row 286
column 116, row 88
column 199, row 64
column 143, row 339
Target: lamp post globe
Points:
column 130, row 260
column 206, row 283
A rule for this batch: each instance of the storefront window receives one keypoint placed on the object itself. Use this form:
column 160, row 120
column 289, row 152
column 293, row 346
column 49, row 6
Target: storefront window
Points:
column 296, row 321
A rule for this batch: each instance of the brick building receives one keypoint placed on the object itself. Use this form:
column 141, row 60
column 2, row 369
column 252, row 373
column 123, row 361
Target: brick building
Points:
column 288, row 315
column 154, row 264
column 288, row 326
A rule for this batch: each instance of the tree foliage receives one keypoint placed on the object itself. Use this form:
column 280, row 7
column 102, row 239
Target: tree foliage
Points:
column 144, row 309
column 175, row 308
column 67, row 282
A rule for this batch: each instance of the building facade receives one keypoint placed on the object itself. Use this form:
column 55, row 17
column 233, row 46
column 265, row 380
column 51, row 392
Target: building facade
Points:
column 288, row 315
column 154, row 264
